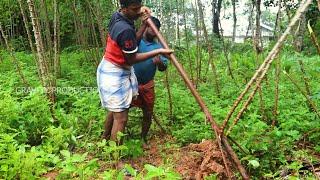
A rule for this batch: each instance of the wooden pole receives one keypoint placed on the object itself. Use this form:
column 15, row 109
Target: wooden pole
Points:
column 220, row 137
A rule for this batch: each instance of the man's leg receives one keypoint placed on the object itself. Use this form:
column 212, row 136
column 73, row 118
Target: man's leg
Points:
column 119, row 124
column 108, row 123
column 146, row 123
column 148, row 104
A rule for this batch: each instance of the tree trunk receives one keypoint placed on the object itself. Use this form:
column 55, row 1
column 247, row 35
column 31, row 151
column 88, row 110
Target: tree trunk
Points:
column 56, row 39
column 305, row 78
column 257, row 34
column 96, row 11
column 313, row 37
column 234, row 21
column 25, row 22
column 1, row 43
column 250, row 22
column 276, row 96
column 44, row 70
column 187, row 42
column 95, row 51
column 195, row 10
column 287, row 11
column 167, row 84
column 14, row 59
column 258, row 48
column 48, row 47
column 177, row 24
column 226, row 55
column 79, row 28
column 277, row 26
column 299, row 34
column 101, row 28
column 216, row 8
column 210, row 49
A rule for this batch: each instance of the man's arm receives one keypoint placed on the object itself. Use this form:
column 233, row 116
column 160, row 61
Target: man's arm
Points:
column 141, row 30
column 128, row 43
column 159, row 63
column 134, row 58
column 145, row 14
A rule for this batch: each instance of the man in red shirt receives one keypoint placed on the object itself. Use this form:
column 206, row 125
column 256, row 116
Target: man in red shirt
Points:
column 116, row 80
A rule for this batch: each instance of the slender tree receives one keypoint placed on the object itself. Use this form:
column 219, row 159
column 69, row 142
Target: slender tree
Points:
column 177, row 23
column 95, row 9
column 299, row 33
column 56, row 39
column 25, row 22
column 167, row 84
column 257, row 35
column 250, row 17
column 95, row 51
column 46, row 76
column 187, row 41
column 48, row 45
column 310, row 102
column 78, row 26
column 278, row 20
column 226, row 54
column 276, row 92
column 313, row 37
column 13, row 57
column 216, row 8
column 196, row 20
column 26, row 26
column 234, row 30
column 210, row 49
column 257, row 41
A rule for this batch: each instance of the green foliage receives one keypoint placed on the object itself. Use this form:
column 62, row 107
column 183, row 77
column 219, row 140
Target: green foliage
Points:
column 149, row 172
column 7, row 9
column 211, row 177
column 153, row 172
column 109, row 150
column 35, row 118
column 71, row 144
column 29, row 118
column 75, row 165
column 134, row 148
column 57, row 139
column 113, row 174
column 21, row 161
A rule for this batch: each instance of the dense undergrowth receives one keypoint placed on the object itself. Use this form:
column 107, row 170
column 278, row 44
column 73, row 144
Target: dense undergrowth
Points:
column 33, row 143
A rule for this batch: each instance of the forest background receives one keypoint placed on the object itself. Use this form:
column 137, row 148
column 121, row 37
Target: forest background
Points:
column 50, row 115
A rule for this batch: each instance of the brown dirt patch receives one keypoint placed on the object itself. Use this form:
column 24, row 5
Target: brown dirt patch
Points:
column 51, row 175
column 194, row 161
column 200, row 160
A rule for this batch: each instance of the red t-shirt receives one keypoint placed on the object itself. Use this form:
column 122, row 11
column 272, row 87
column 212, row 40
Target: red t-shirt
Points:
column 121, row 39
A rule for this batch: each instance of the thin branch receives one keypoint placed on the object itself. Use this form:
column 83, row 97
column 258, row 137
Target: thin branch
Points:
column 310, row 102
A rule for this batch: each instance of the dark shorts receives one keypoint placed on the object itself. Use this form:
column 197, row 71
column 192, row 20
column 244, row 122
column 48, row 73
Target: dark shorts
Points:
column 146, row 96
